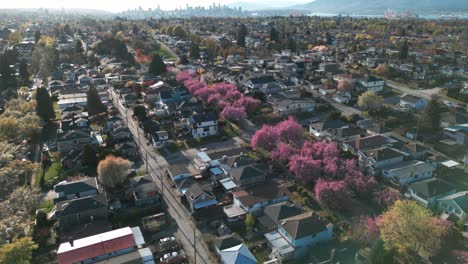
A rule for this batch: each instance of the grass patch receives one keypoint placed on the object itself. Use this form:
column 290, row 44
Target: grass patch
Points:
column 194, row 143
column 58, row 113
column 54, row 170
column 457, row 177
column 230, row 131
column 46, row 206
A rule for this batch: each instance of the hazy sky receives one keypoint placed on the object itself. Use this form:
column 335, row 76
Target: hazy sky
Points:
column 119, row 5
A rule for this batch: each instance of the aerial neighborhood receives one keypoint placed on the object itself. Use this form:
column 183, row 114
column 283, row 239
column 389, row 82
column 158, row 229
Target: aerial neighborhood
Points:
column 212, row 136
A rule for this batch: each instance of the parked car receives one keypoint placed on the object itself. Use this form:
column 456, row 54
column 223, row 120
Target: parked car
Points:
column 166, row 240
column 168, row 257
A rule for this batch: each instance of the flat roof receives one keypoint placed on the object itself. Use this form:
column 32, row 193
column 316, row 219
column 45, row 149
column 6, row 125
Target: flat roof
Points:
column 450, row 163
column 228, row 184
column 279, row 243
column 233, row 211
column 203, row 156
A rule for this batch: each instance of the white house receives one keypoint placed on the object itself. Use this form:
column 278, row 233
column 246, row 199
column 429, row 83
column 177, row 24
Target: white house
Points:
column 203, row 125
column 408, row 172
column 371, row 84
column 412, row 102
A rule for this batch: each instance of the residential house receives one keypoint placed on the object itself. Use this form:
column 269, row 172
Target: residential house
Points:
column 129, row 150
column 144, row 190
column 252, row 199
column 160, row 139
column 80, row 211
column 323, row 129
column 415, row 150
column 66, row 100
column 374, row 160
column 203, row 125
column 287, row 107
column 227, row 241
column 72, row 139
column 412, row 103
column 199, row 198
column 239, row 254
column 427, row 192
column 178, row 172
column 362, row 144
column 124, row 245
column 121, row 134
column 455, row 204
column 256, row 83
column 76, row 189
column 296, row 235
column 457, row 134
column 111, row 121
column 371, row 84
column 85, row 80
column 270, row 88
column 72, row 159
column 408, row 172
column 342, row 97
column 249, row 174
column 273, row 214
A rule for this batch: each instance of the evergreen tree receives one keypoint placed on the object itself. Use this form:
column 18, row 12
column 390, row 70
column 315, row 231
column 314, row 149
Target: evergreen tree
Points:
column 37, row 36
column 79, row 47
column 241, row 34
column 157, row 66
column 23, row 71
column 94, row 104
column 274, row 35
column 194, row 51
column 135, row 29
column 89, row 157
column 404, row 50
column 44, row 107
column 430, row 119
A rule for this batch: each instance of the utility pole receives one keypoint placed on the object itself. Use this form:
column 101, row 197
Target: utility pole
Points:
column 146, row 158
column 194, row 245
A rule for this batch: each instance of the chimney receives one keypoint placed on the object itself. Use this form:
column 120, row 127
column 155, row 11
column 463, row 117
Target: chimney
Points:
column 358, row 143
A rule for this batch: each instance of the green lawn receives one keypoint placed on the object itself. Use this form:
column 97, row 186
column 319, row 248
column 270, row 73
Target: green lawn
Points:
column 46, row 206
column 52, row 172
column 457, row 177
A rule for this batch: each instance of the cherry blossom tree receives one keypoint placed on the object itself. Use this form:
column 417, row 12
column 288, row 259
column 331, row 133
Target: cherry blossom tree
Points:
column 233, row 113
column 387, row 197
column 290, row 131
column 204, row 93
column 193, row 85
column 233, row 95
column 224, row 88
column 305, row 168
column 371, row 229
column 214, row 98
column 249, row 103
column 332, row 194
column 283, row 152
column 265, row 138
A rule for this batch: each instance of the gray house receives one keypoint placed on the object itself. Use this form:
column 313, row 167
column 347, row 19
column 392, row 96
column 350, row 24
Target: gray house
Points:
column 427, row 192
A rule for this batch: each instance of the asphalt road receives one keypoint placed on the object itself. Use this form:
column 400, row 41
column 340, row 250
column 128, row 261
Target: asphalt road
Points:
column 424, row 93
column 156, row 165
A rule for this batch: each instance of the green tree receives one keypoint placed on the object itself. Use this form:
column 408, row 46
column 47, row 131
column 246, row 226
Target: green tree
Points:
column 79, row 46
column 23, row 72
column 19, row 251
column 44, row 107
column 404, row 50
column 430, row 119
column 139, row 111
column 241, row 34
column 194, row 51
column 157, row 65
column 370, row 101
column 249, row 222
column 379, row 255
column 179, row 32
column 274, row 35
column 89, row 157
column 37, row 36
column 15, row 37
column 94, row 104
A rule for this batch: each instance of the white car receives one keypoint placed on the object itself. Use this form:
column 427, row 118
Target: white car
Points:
column 166, row 240
column 168, row 256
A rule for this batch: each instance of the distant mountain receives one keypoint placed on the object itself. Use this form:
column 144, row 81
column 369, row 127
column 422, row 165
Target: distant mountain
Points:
column 380, row 6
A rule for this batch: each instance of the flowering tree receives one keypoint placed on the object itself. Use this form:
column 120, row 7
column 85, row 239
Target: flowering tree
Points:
column 213, row 99
column 371, row 229
column 224, row 88
column 332, row 194
column 265, row 138
column 283, row 152
column 193, row 85
column 233, row 113
column 387, row 197
column 233, row 95
column 305, row 168
column 204, row 93
column 290, row 131
column 249, row 103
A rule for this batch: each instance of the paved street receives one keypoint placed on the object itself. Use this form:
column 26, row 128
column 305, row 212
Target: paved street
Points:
column 344, row 109
column 426, row 93
column 178, row 212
